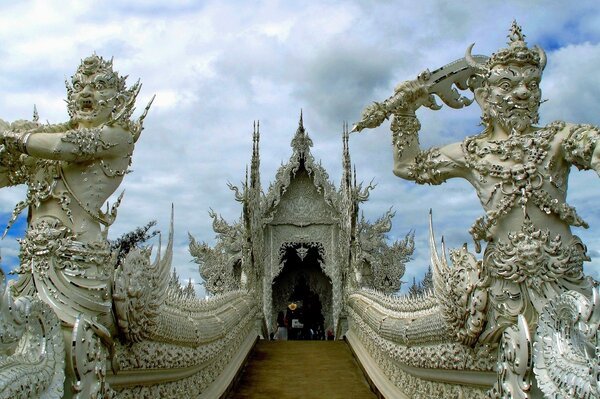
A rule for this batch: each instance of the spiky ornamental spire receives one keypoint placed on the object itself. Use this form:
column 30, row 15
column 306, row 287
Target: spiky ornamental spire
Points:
column 189, row 290
column 255, row 163
column 301, row 143
column 346, row 163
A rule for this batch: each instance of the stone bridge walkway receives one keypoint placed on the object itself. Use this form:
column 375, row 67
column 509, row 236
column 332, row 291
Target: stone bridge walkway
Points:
column 302, row 370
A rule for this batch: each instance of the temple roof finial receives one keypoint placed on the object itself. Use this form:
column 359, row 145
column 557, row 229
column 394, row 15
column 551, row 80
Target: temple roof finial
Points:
column 301, row 142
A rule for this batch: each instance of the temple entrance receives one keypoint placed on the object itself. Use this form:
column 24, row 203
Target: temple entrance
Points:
column 303, row 293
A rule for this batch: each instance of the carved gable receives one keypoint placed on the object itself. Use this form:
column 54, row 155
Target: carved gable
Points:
column 303, row 204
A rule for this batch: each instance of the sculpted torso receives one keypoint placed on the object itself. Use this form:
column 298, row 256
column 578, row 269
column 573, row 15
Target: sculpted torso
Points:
column 85, row 181
column 515, row 178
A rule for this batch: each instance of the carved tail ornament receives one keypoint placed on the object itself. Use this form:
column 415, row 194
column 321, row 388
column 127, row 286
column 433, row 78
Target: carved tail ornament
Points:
column 140, row 288
column 458, row 289
column 32, row 351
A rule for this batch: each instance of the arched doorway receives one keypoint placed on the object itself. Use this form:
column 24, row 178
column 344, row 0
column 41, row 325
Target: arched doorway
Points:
column 303, row 292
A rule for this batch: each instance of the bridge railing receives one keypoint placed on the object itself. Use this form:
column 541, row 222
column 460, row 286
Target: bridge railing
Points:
column 404, row 347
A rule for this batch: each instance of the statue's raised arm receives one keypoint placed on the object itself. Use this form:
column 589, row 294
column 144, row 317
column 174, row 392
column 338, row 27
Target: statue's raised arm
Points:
column 435, row 165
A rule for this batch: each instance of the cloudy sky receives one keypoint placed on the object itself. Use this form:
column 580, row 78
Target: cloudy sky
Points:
column 217, row 66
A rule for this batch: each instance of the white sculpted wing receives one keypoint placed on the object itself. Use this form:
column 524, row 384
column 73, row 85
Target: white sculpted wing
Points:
column 456, row 288
column 140, row 287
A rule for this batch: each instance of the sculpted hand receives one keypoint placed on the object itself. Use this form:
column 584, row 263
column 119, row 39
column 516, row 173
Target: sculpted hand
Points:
column 408, row 97
column 372, row 116
column 412, row 94
column 13, row 141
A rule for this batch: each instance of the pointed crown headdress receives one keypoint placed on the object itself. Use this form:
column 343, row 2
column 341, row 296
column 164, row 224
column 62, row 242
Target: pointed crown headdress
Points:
column 517, row 52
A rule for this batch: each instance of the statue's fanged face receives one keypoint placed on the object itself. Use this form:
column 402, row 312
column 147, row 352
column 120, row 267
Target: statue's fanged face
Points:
column 95, row 92
column 93, row 98
column 514, row 96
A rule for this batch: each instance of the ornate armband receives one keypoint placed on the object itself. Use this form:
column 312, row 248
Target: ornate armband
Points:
column 87, row 141
column 404, row 131
column 426, row 168
column 16, row 141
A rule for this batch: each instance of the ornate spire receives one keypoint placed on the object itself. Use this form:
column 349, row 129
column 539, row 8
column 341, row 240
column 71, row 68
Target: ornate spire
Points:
column 346, row 163
column 255, row 163
column 301, row 143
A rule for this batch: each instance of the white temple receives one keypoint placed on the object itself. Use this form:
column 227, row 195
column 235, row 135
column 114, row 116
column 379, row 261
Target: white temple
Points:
column 303, row 231
column 517, row 319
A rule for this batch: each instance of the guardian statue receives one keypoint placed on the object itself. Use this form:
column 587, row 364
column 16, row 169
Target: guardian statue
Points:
column 519, row 171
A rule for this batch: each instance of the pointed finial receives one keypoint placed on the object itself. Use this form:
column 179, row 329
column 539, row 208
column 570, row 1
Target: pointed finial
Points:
column 346, row 133
column 36, row 116
column 515, row 34
column 301, row 122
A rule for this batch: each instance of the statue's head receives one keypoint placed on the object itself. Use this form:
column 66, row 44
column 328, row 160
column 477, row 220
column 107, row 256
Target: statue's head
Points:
column 510, row 94
column 97, row 94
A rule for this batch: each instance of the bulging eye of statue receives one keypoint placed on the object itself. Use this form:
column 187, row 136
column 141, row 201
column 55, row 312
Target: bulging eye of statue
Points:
column 77, row 86
column 100, row 85
column 533, row 85
column 505, row 86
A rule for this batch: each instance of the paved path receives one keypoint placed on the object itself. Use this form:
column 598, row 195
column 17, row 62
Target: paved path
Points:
column 302, row 370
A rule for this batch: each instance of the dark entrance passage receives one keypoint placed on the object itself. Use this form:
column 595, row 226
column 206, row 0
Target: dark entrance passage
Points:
column 304, row 293
column 305, row 319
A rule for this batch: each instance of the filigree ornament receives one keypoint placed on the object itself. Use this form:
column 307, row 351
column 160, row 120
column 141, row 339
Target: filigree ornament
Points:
column 380, row 265
column 580, row 144
column 408, row 333
column 86, row 141
column 220, row 267
column 302, row 252
column 516, row 52
column 114, row 99
column 566, row 351
column 410, row 95
column 532, row 257
column 301, row 156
